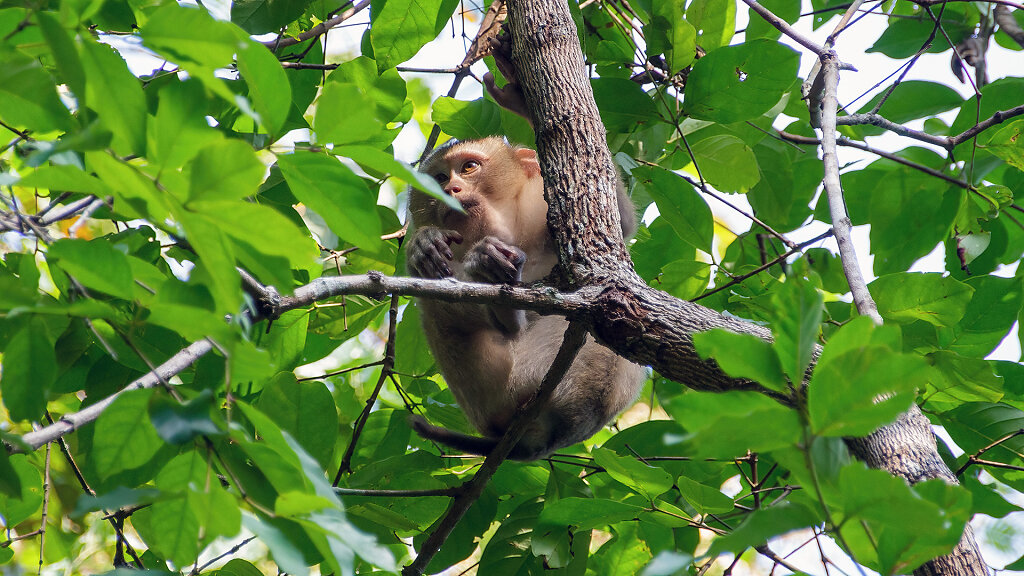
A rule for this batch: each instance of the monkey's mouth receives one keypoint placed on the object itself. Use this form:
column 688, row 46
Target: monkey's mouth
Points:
column 468, row 204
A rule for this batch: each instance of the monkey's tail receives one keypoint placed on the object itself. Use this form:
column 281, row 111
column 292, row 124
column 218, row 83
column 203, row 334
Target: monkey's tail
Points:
column 478, row 445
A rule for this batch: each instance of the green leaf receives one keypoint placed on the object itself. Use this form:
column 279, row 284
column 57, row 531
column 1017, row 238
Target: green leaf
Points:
column 684, row 279
column 286, row 554
column 758, row 27
column 854, row 393
column 679, row 204
column 269, row 90
column 715, row 21
column 10, row 484
column 401, row 27
column 1001, row 94
column 742, row 356
column 727, row 163
column 29, row 370
column 764, row 524
column 910, row 524
column 467, row 120
column 907, row 297
column 216, row 257
column 742, row 82
column 387, row 90
column 643, row 478
column 798, row 309
column 124, row 437
column 669, row 34
column 303, row 409
column 116, row 498
column 668, row 563
column 135, row 195
column 178, row 423
column 334, row 120
column 28, row 96
column 265, row 16
column 237, row 566
column 964, row 379
column 624, row 554
column 65, row 56
column 705, row 499
column 189, row 35
column 587, row 513
column 623, row 104
column 97, row 264
column 910, row 100
column 975, row 425
column 341, row 198
column 1008, row 143
column 727, row 425
column 177, row 537
column 179, row 130
column 380, row 161
column 21, row 506
column 65, row 178
column 225, row 170
column 903, row 37
column 116, row 96
column 989, row 315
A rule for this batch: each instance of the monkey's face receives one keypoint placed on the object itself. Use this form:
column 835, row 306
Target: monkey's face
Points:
column 487, row 178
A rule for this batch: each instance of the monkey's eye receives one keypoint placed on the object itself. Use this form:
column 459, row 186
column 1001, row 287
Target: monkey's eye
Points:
column 470, row 166
column 441, row 177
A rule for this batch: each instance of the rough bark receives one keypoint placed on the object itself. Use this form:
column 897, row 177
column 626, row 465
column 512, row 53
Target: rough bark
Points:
column 642, row 324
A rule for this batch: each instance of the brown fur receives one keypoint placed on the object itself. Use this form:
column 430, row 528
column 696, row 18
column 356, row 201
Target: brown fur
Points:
column 492, row 357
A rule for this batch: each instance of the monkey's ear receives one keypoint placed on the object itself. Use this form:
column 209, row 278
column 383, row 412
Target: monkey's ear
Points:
column 528, row 160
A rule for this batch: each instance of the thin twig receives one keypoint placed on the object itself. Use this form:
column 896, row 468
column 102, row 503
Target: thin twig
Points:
column 387, row 365
column 974, row 458
column 575, row 335
column 449, row 492
column 318, row 30
column 765, row 266
column 843, row 141
column 841, row 225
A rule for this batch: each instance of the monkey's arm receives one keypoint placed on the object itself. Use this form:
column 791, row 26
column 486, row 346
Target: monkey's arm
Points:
column 490, row 260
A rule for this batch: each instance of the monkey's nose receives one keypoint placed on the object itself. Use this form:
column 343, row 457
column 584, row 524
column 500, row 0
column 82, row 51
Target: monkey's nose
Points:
column 452, row 190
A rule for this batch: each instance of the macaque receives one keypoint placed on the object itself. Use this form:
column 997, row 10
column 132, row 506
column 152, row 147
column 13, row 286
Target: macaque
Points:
column 494, row 357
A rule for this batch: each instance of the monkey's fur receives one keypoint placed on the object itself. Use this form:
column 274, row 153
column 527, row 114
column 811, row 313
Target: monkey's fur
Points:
column 493, row 357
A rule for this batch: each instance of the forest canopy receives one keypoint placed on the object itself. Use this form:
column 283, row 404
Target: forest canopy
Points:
column 210, row 347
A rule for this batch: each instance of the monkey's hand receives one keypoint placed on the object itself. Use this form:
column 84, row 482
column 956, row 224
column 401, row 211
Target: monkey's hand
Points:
column 429, row 252
column 493, row 261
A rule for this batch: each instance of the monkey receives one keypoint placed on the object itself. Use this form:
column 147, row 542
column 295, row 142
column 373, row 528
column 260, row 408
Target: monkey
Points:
column 494, row 357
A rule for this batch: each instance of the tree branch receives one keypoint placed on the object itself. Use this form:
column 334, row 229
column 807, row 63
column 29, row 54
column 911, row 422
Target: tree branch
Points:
column 71, row 422
column 318, row 30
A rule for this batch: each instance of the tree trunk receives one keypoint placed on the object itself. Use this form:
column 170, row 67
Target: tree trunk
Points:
column 646, row 325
